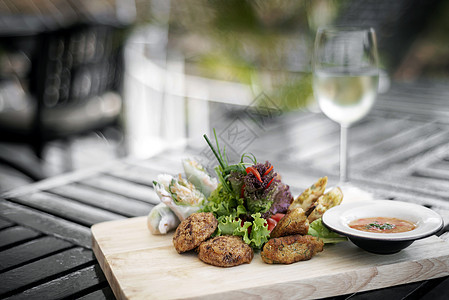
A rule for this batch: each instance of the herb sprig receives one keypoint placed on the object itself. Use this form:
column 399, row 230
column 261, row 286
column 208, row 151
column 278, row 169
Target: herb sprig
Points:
column 224, row 170
column 380, row 226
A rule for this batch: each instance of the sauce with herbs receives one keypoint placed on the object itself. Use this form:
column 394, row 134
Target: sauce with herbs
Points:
column 382, row 225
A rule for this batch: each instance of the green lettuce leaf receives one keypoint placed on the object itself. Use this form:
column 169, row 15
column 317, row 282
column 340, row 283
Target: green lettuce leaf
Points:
column 259, row 231
column 317, row 229
column 223, row 203
column 254, row 233
column 227, row 225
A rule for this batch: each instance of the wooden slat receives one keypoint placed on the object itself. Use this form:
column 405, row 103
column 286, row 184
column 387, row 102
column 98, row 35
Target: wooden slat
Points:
column 403, row 153
column 31, row 250
column 426, row 109
column 172, row 166
column 123, row 187
column 432, row 173
column 4, row 223
column 432, row 159
column 70, row 286
column 42, row 269
column 62, row 179
column 439, row 291
column 46, row 223
column 67, row 209
column 368, row 143
column 16, row 234
column 105, row 293
column 103, row 199
column 302, row 135
column 136, row 174
column 395, row 292
column 322, row 146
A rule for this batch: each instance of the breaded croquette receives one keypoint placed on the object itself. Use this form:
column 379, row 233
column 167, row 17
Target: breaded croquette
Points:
column 290, row 249
column 225, row 251
column 194, row 230
column 294, row 222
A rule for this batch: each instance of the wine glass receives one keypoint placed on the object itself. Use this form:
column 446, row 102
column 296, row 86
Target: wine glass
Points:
column 345, row 79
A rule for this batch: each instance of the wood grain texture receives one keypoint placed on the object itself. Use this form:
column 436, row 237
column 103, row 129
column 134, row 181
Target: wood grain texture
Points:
column 103, row 199
column 44, row 268
column 31, row 250
column 66, row 208
column 123, row 187
column 16, row 234
column 46, row 223
column 139, row 265
column 5, row 224
column 70, row 286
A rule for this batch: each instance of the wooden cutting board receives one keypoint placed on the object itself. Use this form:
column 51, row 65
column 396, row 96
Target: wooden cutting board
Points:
column 139, row 265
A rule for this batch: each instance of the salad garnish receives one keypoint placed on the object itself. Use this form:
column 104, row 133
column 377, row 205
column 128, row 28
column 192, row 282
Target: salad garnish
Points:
column 248, row 193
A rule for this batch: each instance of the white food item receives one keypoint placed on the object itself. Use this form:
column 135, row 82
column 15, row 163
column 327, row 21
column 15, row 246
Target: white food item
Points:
column 180, row 195
column 197, row 175
column 161, row 219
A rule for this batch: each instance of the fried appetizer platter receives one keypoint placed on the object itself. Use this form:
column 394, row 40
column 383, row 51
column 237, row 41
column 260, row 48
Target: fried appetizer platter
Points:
column 291, row 240
column 245, row 209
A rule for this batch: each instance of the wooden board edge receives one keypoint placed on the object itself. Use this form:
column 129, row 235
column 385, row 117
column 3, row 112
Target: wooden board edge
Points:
column 104, row 265
column 308, row 290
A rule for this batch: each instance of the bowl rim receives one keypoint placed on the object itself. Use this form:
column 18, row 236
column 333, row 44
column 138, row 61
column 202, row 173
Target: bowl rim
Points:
column 338, row 217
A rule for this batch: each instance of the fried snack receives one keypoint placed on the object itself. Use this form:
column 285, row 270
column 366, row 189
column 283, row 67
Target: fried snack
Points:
column 290, row 249
column 194, row 230
column 328, row 200
column 294, row 222
column 225, row 251
column 308, row 198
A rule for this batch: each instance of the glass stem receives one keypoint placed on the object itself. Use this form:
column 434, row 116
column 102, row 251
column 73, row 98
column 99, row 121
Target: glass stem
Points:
column 344, row 153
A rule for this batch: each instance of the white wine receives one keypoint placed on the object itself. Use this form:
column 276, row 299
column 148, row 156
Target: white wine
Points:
column 345, row 97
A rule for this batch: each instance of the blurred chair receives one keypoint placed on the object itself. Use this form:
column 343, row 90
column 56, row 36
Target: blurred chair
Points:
column 64, row 83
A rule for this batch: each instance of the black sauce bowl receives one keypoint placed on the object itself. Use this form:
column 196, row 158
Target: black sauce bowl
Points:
column 426, row 220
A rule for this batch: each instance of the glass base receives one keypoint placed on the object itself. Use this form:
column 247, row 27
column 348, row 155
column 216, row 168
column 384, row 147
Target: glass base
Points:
column 352, row 193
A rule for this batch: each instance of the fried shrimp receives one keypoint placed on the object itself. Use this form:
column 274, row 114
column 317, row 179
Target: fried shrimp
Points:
column 194, row 230
column 290, row 249
column 308, row 198
column 294, row 222
column 225, row 251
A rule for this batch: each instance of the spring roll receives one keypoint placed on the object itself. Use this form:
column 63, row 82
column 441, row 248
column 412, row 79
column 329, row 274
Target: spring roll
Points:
column 161, row 219
column 197, row 175
column 180, row 195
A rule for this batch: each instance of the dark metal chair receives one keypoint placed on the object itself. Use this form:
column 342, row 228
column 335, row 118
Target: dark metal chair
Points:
column 72, row 87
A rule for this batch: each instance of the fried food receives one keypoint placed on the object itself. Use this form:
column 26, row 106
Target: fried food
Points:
column 194, row 230
column 225, row 251
column 308, row 198
column 294, row 222
column 328, row 200
column 290, row 249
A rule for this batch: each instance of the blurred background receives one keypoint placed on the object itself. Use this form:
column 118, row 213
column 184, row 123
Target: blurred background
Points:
column 89, row 81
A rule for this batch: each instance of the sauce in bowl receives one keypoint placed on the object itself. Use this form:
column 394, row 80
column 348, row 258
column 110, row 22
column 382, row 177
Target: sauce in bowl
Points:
column 382, row 225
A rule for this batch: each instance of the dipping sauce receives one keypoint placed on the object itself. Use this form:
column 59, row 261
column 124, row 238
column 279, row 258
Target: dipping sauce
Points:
column 382, row 225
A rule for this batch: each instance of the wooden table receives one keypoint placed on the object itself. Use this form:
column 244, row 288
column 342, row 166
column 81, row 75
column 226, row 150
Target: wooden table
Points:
column 400, row 151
